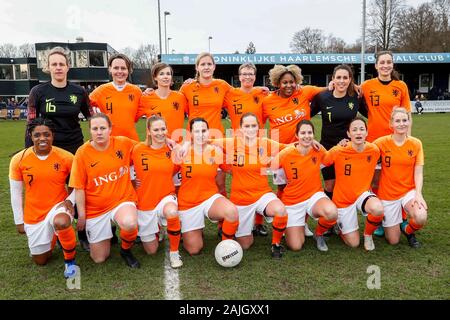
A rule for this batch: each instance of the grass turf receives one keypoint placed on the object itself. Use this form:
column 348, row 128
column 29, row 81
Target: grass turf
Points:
column 341, row 273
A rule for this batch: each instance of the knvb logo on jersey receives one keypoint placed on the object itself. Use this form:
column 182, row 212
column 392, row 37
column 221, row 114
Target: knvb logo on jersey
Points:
column 73, row 98
column 295, row 101
column 216, row 89
column 395, row 92
column 111, row 177
column 176, row 105
column 56, row 166
column 350, row 105
column 131, row 97
column 119, row 154
column 410, row 153
column 369, row 158
column 256, row 100
column 168, row 154
column 314, row 160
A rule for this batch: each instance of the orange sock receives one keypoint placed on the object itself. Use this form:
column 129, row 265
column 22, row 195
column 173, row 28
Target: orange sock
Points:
column 404, row 216
column 259, row 219
column 278, row 227
column 323, row 225
column 128, row 238
column 372, row 223
column 412, row 227
column 174, row 233
column 68, row 242
column 229, row 229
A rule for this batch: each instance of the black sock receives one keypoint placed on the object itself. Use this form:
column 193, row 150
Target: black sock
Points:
column 329, row 194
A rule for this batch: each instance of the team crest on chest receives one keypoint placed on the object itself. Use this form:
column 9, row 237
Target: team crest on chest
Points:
column 168, row 153
column 176, row 105
column 56, row 166
column 395, row 92
column 350, row 105
column 119, row 154
column 369, row 158
column 131, row 97
column 216, row 89
column 295, row 101
column 410, row 153
column 314, row 160
column 256, row 100
column 73, row 98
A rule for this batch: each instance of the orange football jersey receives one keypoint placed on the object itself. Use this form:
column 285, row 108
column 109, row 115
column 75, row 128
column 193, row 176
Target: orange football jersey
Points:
column 354, row 171
column 285, row 113
column 380, row 99
column 44, row 180
column 122, row 107
column 206, row 101
column 238, row 102
column 155, row 169
column 104, row 175
column 171, row 109
column 302, row 173
column 397, row 166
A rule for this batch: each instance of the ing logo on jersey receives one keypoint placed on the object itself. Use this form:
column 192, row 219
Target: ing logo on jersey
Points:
column 131, row 97
column 216, row 89
column 256, row 100
column 56, row 166
column 395, row 92
column 119, row 154
column 73, row 98
column 350, row 105
column 295, row 101
column 176, row 105
column 410, row 153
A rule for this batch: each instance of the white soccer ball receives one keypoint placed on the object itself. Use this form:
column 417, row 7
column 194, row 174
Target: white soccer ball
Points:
column 228, row 253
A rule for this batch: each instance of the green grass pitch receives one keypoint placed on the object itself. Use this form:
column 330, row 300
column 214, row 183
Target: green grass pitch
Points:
column 341, row 273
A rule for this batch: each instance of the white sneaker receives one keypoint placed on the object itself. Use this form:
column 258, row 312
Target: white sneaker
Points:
column 308, row 232
column 175, row 260
column 368, row 243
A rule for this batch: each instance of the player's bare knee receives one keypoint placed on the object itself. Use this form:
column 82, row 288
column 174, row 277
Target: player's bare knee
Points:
column 231, row 214
column 61, row 221
column 129, row 224
column 99, row 258
column 40, row 260
column 297, row 246
column 393, row 240
column 330, row 212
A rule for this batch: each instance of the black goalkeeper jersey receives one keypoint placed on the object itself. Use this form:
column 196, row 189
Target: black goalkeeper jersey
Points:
column 336, row 116
column 62, row 106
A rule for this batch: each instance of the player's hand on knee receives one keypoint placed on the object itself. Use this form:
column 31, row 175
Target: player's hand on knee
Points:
column 81, row 223
column 20, row 228
column 68, row 206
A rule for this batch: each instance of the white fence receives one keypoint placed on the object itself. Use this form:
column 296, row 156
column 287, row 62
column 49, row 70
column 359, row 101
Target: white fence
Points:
column 432, row 106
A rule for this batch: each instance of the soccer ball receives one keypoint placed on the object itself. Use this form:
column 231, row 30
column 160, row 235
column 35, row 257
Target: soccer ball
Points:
column 228, row 253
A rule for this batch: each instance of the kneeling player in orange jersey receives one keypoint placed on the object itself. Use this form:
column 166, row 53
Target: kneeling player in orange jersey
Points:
column 250, row 190
column 401, row 179
column 156, row 193
column 199, row 195
column 354, row 165
column 104, row 193
column 43, row 170
column 303, row 193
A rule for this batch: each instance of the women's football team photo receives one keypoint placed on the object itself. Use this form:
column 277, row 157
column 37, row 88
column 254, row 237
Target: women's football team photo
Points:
column 67, row 188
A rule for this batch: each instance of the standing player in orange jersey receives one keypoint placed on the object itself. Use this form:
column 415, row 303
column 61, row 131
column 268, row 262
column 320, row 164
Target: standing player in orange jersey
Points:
column 103, row 190
column 205, row 99
column 304, row 192
column 354, row 165
column 381, row 95
column 401, row 179
column 119, row 99
column 239, row 101
column 250, row 190
column 43, row 170
column 156, row 193
column 165, row 102
column 199, row 196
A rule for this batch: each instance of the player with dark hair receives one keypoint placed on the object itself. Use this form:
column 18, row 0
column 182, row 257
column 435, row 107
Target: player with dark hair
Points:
column 48, row 212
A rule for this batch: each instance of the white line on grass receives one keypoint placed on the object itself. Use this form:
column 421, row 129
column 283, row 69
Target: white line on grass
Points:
column 171, row 280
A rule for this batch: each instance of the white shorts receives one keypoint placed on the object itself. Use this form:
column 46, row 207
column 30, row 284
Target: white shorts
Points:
column 348, row 218
column 148, row 220
column 99, row 228
column 176, row 179
column 393, row 209
column 40, row 235
column 297, row 212
column 193, row 218
column 279, row 177
column 247, row 214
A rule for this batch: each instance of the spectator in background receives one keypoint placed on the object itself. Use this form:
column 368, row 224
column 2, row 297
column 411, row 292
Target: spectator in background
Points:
column 418, row 105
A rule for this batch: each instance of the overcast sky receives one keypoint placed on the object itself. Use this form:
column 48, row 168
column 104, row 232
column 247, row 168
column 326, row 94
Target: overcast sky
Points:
column 232, row 24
